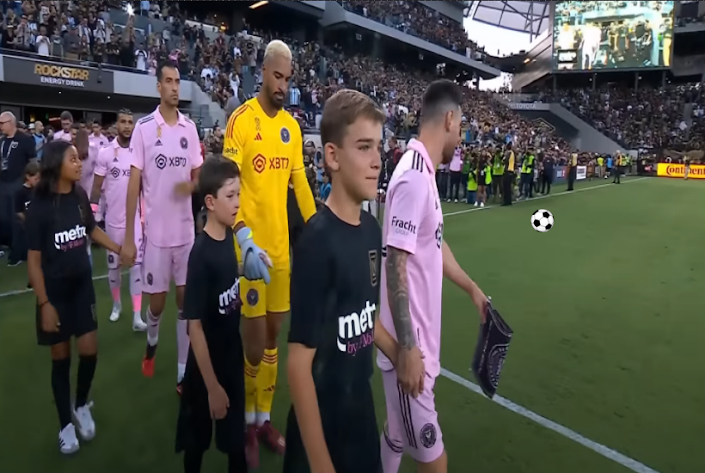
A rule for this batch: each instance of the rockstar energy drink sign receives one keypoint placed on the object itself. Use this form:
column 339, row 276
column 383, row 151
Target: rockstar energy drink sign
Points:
column 62, row 76
column 697, row 171
column 57, row 74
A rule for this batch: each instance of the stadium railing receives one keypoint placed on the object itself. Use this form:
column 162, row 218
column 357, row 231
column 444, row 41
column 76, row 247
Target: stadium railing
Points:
column 65, row 60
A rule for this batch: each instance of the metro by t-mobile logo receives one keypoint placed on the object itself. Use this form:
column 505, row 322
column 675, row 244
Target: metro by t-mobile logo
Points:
column 230, row 298
column 70, row 238
column 356, row 326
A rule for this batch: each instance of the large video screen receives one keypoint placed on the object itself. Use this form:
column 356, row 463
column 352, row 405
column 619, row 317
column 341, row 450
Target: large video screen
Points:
column 612, row 35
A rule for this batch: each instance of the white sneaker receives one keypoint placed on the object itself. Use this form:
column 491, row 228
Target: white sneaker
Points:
column 84, row 421
column 115, row 314
column 456, row 201
column 475, row 204
column 138, row 325
column 68, row 443
column 482, row 204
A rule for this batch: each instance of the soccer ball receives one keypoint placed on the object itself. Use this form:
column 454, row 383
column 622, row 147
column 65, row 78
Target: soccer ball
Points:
column 542, row 220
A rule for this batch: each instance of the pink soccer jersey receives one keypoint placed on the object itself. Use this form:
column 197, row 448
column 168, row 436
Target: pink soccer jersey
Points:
column 88, row 169
column 99, row 141
column 456, row 165
column 413, row 222
column 113, row 164
column 166, row 155
column 63, row 135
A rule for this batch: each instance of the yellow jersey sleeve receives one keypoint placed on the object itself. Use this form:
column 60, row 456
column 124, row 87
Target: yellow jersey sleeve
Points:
column 302, row 190
column 236, row 135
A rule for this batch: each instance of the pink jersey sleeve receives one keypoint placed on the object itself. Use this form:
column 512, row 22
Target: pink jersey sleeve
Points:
column 101, row 164
column 137, row 148
column 407, row 204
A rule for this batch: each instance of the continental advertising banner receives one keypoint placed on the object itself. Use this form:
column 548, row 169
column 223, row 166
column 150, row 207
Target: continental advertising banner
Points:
column 697, row 171
column 57, row 74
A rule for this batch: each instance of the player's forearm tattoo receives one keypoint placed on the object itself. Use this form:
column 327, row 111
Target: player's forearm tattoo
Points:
column 398, row 295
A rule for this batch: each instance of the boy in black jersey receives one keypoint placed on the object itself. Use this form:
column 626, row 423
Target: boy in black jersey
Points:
column 213, row 385
column 59, row 225
column 22, row 198
column 334, row 294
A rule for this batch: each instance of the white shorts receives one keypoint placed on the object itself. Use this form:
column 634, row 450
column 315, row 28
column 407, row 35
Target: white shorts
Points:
column 118, row 236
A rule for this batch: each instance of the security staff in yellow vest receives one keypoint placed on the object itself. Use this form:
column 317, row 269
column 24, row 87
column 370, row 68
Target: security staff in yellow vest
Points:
column 497, row 174
column 526, row 188
column 508, row 178
column 618, row 167
column 572, row 170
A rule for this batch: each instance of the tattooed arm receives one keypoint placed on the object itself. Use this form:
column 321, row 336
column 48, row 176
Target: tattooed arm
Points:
column 398, row 295
column 410, row 367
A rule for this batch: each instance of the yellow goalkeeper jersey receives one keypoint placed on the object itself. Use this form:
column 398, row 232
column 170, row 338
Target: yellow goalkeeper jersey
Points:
column 269, row 152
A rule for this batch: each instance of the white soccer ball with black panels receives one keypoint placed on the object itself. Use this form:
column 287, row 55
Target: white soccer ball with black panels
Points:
column 542, row 220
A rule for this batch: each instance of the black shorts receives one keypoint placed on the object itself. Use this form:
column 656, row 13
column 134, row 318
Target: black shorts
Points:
column 195, row 427
column 350, row 430
column 74, row 301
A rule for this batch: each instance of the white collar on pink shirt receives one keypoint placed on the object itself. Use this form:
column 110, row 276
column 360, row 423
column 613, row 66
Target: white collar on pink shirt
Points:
column 417, row 146
column 160, row 119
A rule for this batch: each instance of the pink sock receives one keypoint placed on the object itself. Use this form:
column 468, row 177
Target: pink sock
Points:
column 182, row 338
column 392, row 452
column 152, row 327
column 116, row 294
column 137, row 303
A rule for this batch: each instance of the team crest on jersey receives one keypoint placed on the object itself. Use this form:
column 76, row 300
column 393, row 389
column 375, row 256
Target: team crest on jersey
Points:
column 373, row 267
column 252, row 297
column 285, row 136
column 184, row 142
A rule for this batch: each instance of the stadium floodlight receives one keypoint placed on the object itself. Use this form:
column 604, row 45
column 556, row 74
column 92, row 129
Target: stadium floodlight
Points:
column 129, row 9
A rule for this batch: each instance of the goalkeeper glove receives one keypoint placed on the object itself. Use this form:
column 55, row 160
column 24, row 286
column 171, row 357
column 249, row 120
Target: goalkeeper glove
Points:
column 254, row 259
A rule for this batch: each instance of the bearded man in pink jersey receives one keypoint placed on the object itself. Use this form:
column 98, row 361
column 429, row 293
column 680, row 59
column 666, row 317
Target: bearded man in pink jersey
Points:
column 112, row 174
column 166, row 161
column 415, row 261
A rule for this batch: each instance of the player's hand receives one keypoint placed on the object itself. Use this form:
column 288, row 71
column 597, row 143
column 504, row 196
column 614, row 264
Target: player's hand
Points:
column 411, row 372
column 128, row 253
column 254, row 259
column 480, row 300
column 184, row 189
column 50, row 318
column 218, row 402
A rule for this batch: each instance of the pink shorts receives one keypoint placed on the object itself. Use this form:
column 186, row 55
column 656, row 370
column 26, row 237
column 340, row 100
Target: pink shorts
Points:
column 412, row 424
column 162, row 264
column 118, row 236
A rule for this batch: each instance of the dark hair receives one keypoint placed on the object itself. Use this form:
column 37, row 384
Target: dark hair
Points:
column 160, row 68
column 31, row 169
column 82, row 144
column 124, row 111
column 439, row 97
column 342, row 110
column 66, row 115
column 214, row 172
column 50, row 170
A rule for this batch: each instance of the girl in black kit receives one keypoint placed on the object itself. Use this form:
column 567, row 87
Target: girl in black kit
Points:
column 59, row 223
column 335, row 290
column 214, row 382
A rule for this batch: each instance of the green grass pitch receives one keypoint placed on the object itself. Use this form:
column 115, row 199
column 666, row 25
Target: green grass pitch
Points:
column 608, row 342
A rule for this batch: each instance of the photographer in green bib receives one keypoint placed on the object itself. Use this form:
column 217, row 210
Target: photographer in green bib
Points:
column 497, row 174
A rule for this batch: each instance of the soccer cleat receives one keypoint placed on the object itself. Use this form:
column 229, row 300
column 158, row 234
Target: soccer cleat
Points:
column 68, row 442
column 252, row 447
column 138, row 324
column 271, row 438
column 456, row 201
column 115, row 314
column 482, row 204
column 148, row 367
column 84, row 422
column 475, row 204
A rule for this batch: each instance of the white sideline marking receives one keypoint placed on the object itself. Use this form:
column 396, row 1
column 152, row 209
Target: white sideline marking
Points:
column 606, row 452
column 584, row 189
column 17, row 292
